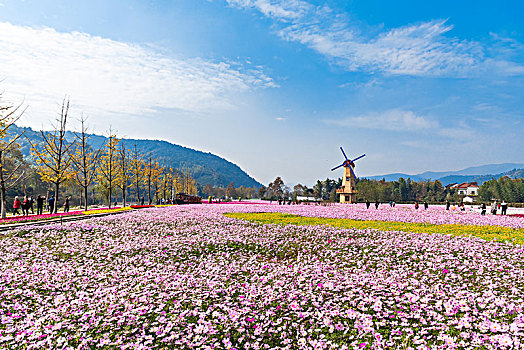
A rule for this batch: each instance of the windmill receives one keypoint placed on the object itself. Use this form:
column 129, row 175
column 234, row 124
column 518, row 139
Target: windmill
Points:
column 348, row 191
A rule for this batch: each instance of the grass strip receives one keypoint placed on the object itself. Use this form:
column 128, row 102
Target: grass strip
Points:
column 497, row 233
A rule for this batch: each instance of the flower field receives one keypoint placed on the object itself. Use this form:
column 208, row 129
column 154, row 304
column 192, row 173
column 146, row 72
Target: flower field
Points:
column 43, row 217
column 189, row 277
column 29, row 218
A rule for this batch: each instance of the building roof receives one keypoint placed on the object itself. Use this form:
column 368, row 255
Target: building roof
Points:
column 465, row 185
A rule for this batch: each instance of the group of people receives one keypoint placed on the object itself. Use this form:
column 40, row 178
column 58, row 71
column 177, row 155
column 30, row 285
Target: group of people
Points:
column 483, row 207
column 377, row 203
column 161, row 201
column 29, row 202
column 494, row 207
column 426, row 205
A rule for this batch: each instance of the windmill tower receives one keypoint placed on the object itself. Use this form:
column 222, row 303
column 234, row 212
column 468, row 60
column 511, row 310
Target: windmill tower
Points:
column 348, row 191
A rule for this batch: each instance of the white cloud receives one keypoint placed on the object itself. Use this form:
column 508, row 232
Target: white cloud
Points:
column 393, row 120
column 423, row 49
column 361, row 85
column 282, row 10
column 280, row 119
column 104, row 76
column 461, row 133
column 399, row 120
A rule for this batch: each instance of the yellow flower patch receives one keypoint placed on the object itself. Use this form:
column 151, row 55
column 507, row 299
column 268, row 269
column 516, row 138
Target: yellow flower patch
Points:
column 103, row 211
column 498, row 233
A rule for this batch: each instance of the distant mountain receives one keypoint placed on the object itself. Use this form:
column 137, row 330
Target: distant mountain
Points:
column 477, row 170
column 478, row 174
column 457, row 179
column 207, row 168
column 480, row 179
column 395, row 177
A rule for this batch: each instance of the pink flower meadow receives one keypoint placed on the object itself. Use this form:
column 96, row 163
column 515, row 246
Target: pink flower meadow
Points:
column 186, row 277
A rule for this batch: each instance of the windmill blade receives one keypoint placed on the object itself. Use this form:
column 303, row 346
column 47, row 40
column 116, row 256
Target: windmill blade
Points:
column 352, row 172
column 344, row 154
column 358, row 157
column 337, row 167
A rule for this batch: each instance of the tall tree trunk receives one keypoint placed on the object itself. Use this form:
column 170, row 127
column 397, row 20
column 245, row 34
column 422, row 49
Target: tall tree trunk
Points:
column 137, row 192
column 2, row 188
column 124, row 195
column 4, row 200
column 149, row 189
column 85, row 194
column 46, row 203
column 57, row 187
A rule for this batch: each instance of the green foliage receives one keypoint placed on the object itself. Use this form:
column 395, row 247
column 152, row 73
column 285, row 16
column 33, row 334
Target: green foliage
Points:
column 404, row 191
column 510, row 190
column 241, row 191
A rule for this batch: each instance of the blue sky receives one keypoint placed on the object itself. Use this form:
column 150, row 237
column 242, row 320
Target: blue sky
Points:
column 278, row 86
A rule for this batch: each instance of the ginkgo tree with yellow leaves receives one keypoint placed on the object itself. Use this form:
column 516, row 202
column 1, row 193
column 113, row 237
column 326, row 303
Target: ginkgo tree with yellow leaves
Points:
column 158, row 174
column 187, row 183
column 136, row 170
column 85, row 161
column 52, row 156
column 108, row 174
column 123, row 170
column 9, row 176
column 167, row 183
column 152, row 172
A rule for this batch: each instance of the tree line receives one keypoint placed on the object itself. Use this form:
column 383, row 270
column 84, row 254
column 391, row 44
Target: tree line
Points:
column 114, row 171
column 228, row 192
column 505, row 188
column 401, row 190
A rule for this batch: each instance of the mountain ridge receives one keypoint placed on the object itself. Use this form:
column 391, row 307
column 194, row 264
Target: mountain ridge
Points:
column 207, row 168
column 478, row 174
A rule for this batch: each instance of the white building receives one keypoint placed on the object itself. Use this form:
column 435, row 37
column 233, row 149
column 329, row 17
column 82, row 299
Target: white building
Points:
column 470, row 189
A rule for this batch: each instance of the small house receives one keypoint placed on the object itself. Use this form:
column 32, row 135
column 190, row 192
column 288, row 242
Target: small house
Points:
column 470, row 189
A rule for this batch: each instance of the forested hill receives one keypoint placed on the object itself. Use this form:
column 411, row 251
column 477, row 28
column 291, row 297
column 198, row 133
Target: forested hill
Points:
column 478, row 174
column 207, row 168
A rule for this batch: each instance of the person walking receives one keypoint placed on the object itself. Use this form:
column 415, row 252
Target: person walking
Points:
column 66, row 205
column 367, row 204
column 51, row 203
column 448, row 204
column 494, row 208
column 142, row 200
column 416, row 205
column 32, row 204
column 25, row 206
column 503, row 208
column 40, row 204
column 483, row 208
column 426, row 205
column 377, row 204
column 16, row 205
